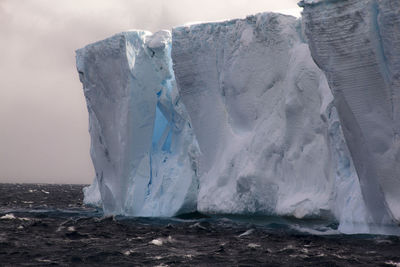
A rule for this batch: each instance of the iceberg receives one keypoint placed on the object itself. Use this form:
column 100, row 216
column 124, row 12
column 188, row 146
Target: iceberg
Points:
column 266, row 115
column 142, row 145
column 357, row 45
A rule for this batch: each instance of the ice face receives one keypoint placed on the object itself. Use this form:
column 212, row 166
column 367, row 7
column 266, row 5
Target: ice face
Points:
column 143, row 150
column 235, row 117
column 357, row 45
column 261, row 111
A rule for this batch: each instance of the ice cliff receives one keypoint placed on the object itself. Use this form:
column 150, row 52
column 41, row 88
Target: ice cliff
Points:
column 357, row 45
column 261, row 112
column 238, row 117
column 142, row 147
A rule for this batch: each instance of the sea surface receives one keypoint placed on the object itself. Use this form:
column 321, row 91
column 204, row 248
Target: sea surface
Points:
column 48, row 225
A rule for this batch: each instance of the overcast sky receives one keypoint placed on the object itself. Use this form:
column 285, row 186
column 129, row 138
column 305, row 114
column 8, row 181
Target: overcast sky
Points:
column 43, row 117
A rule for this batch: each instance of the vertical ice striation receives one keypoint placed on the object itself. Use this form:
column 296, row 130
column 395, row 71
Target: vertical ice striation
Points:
column 357, row 45
column 138, row 127
column 261, row 112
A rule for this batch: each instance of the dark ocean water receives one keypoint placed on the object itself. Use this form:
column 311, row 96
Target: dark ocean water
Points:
column 43, row 225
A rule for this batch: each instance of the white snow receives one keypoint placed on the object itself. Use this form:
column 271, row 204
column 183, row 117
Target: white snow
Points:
column 302, row 3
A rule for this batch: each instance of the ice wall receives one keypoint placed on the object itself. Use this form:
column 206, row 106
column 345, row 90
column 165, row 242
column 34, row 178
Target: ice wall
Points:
column 143, row 150
column 236, row 117
column 261, row 110
column 357, row 45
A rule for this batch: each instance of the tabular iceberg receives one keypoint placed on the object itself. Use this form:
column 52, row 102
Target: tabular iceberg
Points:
column 142, row 146
column 236, row 117
column 357, row 45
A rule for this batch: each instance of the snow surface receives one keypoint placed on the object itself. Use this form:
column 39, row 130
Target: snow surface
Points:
column 357, row 45
column 303, row 3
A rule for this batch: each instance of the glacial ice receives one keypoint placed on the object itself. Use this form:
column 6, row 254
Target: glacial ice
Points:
column 357, row 45
column 262, row 113
column 236, row 117
column 142, row 146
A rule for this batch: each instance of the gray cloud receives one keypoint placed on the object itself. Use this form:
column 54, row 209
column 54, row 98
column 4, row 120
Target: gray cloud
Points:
column 43, row 117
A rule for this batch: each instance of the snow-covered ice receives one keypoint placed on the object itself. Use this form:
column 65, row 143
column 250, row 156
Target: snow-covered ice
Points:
column 238, row 116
